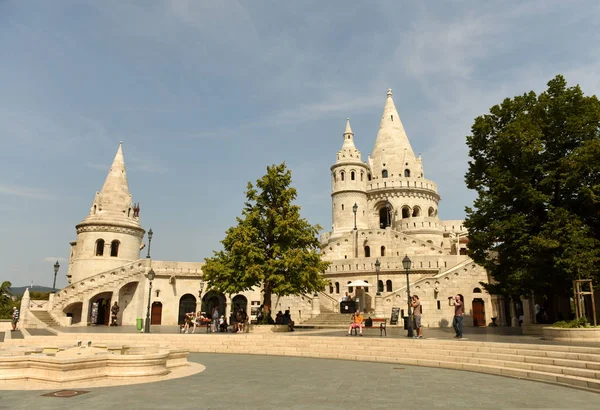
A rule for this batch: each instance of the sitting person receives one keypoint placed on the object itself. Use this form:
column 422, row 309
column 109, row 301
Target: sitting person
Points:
column 241, row 317
column 188, row 321
column 201, row 320
column 223, row 324
column 278, row 318
column 286, row 319
column 357, row 322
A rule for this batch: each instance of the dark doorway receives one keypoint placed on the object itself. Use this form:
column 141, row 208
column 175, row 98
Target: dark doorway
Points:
column 478, row 312
column 213, row 299
column 187, row 304
column 384, row 217
column 100, row 309
column 156, row 315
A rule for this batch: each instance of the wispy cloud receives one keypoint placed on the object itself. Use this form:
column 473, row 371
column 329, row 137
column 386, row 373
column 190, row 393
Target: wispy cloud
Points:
column 25, row 192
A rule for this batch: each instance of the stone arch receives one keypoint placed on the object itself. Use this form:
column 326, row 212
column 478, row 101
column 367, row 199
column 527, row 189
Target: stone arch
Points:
column 337, row 287
column 100, row 247
column 74, row 312
column 99, row 311
column 384, row 173
column 214, row 299
column 114, row 248
column 187, row 304
column 407, row 173
column 405, row 212
column 127, row 292
column 388, row 285
column 431, row 211
column 382, row 250
column 367, row 251
column 416, row 211
column 342, row 175
column 380, row 286
column 352, row 175
column 238, row 302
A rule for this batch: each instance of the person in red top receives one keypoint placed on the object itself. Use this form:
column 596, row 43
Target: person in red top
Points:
column 458, row 302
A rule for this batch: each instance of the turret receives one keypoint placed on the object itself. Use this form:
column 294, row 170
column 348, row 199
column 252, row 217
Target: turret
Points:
column 348, row 186
column 110, row 236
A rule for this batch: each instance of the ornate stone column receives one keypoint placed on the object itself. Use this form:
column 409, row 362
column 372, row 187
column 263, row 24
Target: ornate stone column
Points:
column 379, row 306
column 316, row 306
column 227, row 308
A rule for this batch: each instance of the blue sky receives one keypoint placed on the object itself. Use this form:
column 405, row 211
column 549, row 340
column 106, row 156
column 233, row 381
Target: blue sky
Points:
column 205, row 94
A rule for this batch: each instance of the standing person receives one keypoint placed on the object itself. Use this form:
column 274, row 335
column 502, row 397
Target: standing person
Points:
column 459, row 310
column 417, row 311
column 15, row 318
column 114, row 310
column 215, row 319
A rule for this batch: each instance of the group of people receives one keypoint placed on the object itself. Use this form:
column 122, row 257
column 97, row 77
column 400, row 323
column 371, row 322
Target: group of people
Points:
column 217, row 322
column 458, row 301
column 285, row 319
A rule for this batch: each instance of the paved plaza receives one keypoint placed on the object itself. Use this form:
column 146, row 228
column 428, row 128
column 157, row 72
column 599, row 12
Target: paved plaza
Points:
column 260, row 382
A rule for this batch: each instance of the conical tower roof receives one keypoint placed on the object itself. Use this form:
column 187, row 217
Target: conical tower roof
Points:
column 348, row 153
column 392, row 151
column 113, row 204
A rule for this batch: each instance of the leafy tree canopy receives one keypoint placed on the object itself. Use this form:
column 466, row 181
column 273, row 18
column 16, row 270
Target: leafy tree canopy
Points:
column 535, row 224
column 271, row 245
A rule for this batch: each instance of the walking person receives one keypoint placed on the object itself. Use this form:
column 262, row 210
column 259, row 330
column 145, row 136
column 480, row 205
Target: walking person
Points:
column 215, row 319
column 458, row 302
column 15, row 318
column 417, row 312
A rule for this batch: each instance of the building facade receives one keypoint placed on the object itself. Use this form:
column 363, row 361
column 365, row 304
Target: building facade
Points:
column 383, row 209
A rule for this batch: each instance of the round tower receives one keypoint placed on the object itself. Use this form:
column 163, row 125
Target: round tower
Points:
column 110, row 236
column 348, row 187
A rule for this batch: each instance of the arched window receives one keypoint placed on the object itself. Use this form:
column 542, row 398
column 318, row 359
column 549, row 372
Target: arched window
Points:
column 337, row 287
column 405, row 212
column 352, row 175
column 94, row 209
column 342, row 207
column 129, row 213
column 380, row 286
column 330, row 288
column 100, row 247
column 367, row 252
column 407, row 173
column 384, row 173
column 366, row 287
column 416, row 211
column 342, row 175
column 431, row 211
column 383, row 251
column 114, row 248
column 334, row 177
column 369, row 177
column 361, row 176
column 388, row 285
column 384, row 217
column 476, row 290
column 350, row 288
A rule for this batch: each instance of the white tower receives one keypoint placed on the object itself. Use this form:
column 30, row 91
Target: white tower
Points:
column 348, row 187
column 110, row 236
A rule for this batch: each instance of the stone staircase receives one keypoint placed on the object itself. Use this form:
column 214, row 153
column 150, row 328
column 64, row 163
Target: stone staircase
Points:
column 45, row 318
column 573, row 366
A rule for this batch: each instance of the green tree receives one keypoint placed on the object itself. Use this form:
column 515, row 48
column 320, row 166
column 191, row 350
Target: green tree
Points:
column 6, row 300
column 271, row 246
column 536, row 169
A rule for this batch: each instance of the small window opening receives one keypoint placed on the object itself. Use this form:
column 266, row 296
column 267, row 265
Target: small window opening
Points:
column 352, row 175
column 384, row 173
column 383, row 251
column 388, row 285
column 367, row 252
column 114, row 248
column 407, row 173
column 100, row 247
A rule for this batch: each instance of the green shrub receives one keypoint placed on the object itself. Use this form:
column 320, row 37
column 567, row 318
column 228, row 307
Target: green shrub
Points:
column 572, row 324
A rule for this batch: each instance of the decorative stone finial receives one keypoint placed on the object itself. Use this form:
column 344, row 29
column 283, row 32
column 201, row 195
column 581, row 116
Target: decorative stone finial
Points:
column 389, row 92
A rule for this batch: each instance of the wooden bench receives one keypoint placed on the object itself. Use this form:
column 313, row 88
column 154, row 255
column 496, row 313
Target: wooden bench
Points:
column 382, row 325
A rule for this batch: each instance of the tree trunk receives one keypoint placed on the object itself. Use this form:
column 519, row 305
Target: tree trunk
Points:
column 267, row 297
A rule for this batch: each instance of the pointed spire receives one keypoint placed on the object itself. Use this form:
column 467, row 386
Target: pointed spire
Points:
column 348, row 129
column 392, row 146
column 115, row 191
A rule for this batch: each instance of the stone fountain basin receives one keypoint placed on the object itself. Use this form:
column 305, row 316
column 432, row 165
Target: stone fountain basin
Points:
column 57, row 364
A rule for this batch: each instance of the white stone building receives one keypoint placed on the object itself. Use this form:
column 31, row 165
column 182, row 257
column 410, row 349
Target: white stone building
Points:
column 382, row 210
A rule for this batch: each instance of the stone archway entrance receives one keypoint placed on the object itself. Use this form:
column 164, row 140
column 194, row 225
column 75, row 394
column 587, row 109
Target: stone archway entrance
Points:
column 478, row 312
column 187, row 304
column 239, row 302
column 100, row 309
column 156, row 313
column 212, row 299
column 74, row 312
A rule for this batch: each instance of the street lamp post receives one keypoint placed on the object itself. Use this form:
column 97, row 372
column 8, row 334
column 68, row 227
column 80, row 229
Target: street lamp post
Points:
column 150, row 278
column 149, row 242
column 56, row 267
column 377, row 266
column 406, row 262
column 354, row 209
